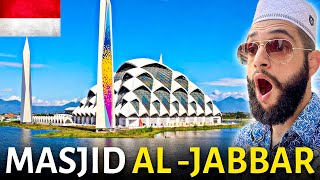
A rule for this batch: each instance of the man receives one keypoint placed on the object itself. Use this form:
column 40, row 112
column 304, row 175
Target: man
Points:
column 281, row 58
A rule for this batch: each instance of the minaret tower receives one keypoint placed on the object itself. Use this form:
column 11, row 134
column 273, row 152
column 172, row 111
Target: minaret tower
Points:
column 105, row 118
column 26, row 104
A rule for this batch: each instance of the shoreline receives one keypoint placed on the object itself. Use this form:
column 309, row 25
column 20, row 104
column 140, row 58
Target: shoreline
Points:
column 90, row 131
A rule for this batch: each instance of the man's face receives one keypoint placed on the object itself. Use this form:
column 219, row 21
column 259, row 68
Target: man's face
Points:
column 276, row 90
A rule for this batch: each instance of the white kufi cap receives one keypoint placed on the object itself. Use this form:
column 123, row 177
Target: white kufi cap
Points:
column 298, row 12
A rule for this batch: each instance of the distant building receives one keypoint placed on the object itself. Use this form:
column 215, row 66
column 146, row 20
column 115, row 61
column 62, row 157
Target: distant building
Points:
column 56, row 119
column 148, row 93
column 11, row 117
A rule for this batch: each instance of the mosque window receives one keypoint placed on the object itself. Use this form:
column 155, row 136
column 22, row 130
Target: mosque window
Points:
column 126, row 77
column 122, row 70
column 210, row 105
column 183, row 82
column 124, row 102
column 135, row 104
column 176, row 105
column 123, row 90
column 164, row 97
column 144, row 95
column 199, row 97
column 194, row 105
column 156, row 104
column 90, row 94
column 146, row 79
column 161, row 73
column 182, row 97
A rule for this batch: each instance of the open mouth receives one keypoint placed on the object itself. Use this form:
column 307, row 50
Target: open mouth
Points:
column 264, row 86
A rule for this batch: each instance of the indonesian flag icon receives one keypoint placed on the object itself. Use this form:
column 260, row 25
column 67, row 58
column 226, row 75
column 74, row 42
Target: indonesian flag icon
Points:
column 29, row 17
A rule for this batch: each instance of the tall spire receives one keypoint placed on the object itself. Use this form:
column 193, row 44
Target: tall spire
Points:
column 160, row 60
column 105, row 117
column 26, row 104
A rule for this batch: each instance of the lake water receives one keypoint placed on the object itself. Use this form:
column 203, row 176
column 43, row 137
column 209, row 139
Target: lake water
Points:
column 176, row 147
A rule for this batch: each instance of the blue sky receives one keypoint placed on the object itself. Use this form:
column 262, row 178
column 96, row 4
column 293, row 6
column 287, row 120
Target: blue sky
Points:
column 197, row 38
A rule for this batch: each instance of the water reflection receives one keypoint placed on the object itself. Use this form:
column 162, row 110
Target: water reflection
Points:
column 176, row 146
column 25, row 137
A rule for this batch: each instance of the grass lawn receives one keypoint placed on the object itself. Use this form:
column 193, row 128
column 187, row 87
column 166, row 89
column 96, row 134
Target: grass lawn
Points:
column 90, row 131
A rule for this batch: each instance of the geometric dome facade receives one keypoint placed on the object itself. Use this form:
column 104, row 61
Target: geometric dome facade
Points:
column 147, row 88
column 88, row 104
column 144, row 88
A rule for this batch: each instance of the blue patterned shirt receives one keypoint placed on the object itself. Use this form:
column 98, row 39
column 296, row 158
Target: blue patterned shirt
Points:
column 304, row 132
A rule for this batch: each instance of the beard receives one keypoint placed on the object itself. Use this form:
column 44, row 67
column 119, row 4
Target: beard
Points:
column 292, row 93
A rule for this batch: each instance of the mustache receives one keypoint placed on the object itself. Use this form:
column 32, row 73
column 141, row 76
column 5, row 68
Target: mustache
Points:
column 270, row 76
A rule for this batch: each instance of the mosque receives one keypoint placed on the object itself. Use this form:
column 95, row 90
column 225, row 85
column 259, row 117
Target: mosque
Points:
column 149, row 93
column 142, row 92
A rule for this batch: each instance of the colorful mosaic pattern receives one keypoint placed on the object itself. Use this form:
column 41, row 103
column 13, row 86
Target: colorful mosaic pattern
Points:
column 107, row 70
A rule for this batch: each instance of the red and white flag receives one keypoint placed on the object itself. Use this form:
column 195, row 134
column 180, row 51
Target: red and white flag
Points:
column 29, row 17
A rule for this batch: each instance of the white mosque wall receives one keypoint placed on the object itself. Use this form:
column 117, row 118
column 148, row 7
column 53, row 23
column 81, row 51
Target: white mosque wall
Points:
column 149, row 93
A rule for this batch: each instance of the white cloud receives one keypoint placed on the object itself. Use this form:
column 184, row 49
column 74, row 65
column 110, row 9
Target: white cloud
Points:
column 10, row 64
column 6, row 90
column 38, row 65
column 60, row 102
column 11, row 98
column 230, row 82
column 40, row 102
column 76, row 99
column 19, row 65
column 218, row 95
column 7, row 55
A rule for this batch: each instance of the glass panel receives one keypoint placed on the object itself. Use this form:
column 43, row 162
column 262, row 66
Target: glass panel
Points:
column 144, row 95
column 161, row 73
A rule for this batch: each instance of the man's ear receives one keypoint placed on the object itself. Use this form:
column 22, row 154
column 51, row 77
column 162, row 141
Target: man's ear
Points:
column 314, row 62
